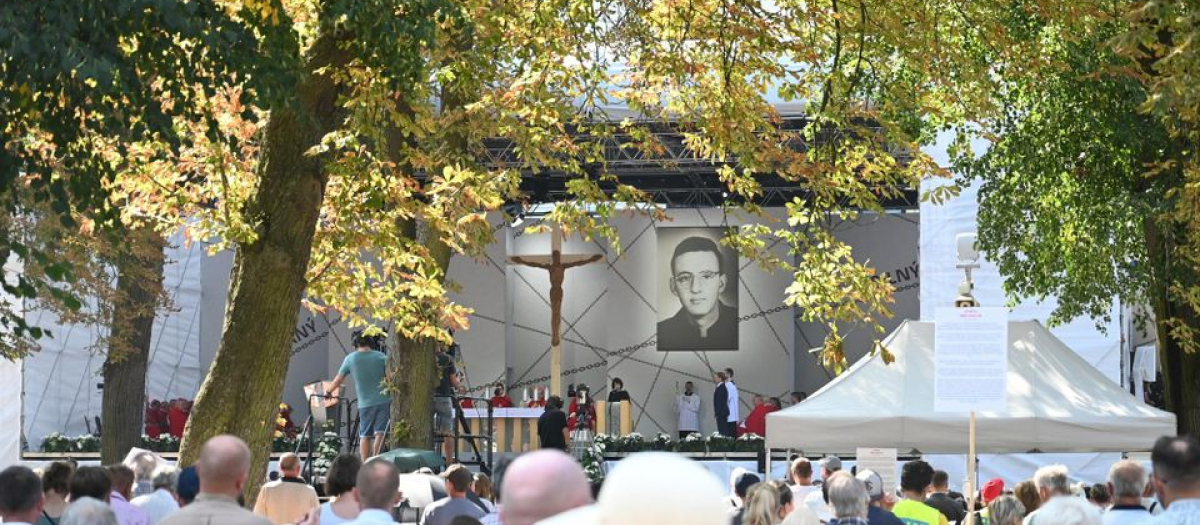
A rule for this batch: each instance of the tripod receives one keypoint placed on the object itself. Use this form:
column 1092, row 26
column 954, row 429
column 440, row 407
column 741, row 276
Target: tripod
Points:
column 316, row 407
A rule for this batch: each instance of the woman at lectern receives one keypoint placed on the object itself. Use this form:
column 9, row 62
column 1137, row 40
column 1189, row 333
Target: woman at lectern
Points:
column 618, row 393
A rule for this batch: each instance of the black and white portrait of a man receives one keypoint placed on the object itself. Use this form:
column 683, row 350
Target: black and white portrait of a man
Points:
column 698, row 308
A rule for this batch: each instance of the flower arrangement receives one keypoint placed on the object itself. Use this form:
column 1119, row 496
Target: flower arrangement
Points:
column 719, row 443
column 692, row 443
column 661, row 443
column 163, row 443
column 629, row 444
column 749, row 443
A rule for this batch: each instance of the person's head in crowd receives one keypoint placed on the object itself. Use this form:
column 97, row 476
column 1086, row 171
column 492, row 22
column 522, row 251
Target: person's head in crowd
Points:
column 775, row 403
column 829, row 465
column 541, row 484
column 499, row 391
column 88, row 511
column 122, row 479
column 143, row 464
column 554, row 402
column 689, row 388
column 762, row 505
column 1006, row 510
column 697, row 276
column 483, row 487
column 734, row 476
column 91, row 482
column 940, row 481
column 847, row 496
column 378, row 485
column 1099, row 495
column 801, row 471
column 1027, row 493
column 720, row 377
column 729, row 373
column 188, row 486
column 21, row 498
column 617, row 384
column 1176, row 462
column 342, row 474
column 165, row 478
column 787, row 502
column 656, row 488
column 224, row 466
column 1052, row 481
column 56, row 480
column 741, row 487
column 915, row 478
column 1127, row 482
column 289, row 465
column 991, row 490
column 873, row 485
column 458, row 480
column 1069, row 511
column 465, row 520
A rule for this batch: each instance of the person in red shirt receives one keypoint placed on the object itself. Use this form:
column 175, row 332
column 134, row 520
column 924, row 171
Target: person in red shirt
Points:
column 499, row 399
column 176, row 418
column 582, row 411
column 154, row 425
column 756, row 422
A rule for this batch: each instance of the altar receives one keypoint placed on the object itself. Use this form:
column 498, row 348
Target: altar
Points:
column 515, row 429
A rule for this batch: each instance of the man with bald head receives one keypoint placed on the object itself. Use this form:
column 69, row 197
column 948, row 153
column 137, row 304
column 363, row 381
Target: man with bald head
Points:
column 377, row 490
column 289, row 498
column 223, row 468
column 542, row 484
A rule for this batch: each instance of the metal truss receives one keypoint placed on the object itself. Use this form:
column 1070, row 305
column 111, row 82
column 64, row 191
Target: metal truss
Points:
column 675, row 175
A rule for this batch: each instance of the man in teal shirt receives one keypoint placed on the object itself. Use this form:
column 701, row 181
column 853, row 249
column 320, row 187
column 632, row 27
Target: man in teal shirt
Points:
column 367, row 366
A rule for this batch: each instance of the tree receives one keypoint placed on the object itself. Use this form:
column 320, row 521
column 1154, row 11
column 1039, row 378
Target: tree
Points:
column 1085, row 194
column 316, row 167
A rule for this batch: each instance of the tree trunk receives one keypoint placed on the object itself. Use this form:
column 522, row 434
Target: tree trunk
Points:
column 412, row 371
column 244, row 386
column 1180, row 369
column 139, row 286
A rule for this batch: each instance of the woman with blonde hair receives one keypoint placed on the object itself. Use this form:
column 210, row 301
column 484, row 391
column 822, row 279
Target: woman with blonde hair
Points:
column 483, row 489
column 762, row 506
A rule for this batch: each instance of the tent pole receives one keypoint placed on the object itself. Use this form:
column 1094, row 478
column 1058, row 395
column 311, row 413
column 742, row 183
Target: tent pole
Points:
column 971, row 471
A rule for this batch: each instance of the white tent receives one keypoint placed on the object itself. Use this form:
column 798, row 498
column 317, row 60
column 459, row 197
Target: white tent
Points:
column 1057, row 402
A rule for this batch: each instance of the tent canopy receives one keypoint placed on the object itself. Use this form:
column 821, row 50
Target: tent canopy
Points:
column 1057, row 402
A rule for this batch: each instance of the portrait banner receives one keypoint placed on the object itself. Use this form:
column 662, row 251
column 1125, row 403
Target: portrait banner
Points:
column 697, row 290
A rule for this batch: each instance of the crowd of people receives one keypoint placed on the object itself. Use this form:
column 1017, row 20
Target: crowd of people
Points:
column 548, row 487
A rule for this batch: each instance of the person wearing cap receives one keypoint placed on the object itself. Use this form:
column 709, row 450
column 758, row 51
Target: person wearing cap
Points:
column 953, row 509
column 816, row 500
column 443, row 511
column 991, row 490
column 876, row 514
column 915, row 478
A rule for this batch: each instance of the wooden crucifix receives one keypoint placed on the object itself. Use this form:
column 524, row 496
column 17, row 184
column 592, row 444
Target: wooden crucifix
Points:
column 557, row 265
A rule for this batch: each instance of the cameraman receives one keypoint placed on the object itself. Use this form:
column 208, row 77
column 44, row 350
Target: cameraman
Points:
column 367, row 365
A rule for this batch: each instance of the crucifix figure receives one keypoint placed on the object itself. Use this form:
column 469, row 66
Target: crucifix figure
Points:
column 557, row 264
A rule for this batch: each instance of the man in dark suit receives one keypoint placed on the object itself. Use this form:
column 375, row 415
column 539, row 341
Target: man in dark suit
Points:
column 721, row 406
column 953, row 509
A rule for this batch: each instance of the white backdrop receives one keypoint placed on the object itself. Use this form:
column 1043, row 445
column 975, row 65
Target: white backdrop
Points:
column 61, row 378
column 10, row 386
